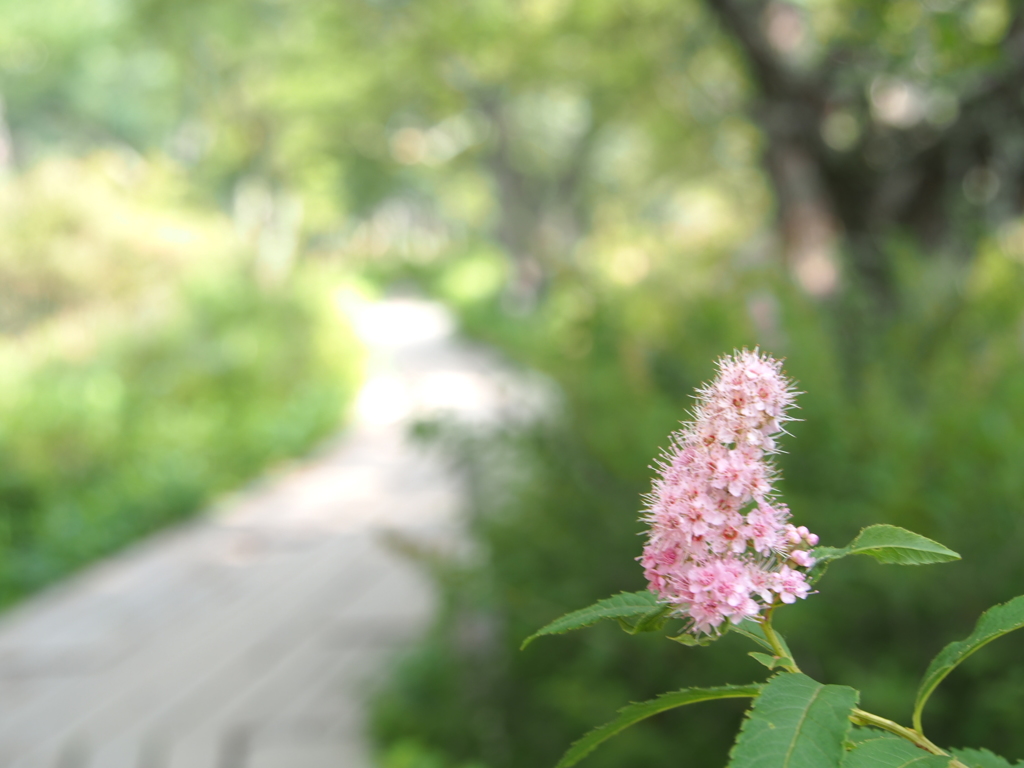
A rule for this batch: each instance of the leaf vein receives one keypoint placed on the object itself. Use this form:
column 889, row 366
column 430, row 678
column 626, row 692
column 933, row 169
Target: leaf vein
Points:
column 799, row 726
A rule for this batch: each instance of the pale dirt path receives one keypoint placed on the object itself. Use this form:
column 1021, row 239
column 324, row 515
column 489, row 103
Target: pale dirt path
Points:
column 249, row 638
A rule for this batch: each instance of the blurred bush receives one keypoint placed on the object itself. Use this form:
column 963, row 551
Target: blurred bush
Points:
column 143, row 368
column 916, row 420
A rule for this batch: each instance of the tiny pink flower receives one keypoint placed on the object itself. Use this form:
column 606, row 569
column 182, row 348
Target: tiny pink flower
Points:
column 762, row 529
column 790, row 585
column 761, row 582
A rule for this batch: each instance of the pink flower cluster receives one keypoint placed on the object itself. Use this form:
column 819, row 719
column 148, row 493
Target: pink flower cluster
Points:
column 720, row 545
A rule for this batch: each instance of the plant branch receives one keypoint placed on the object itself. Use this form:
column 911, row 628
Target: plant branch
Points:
column 918, row 739
column 773, row 639
column 859, row 716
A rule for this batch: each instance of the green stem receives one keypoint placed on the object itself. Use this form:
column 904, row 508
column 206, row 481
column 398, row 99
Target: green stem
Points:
column 916, row 720
column 859, row 716
column 773, row 639
column 918, row 739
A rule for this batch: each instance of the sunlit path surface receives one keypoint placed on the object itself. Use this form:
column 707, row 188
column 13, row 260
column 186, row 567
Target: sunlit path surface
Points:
column 249, row 638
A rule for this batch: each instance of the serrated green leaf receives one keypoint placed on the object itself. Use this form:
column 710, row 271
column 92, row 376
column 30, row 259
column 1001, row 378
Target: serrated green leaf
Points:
column 898, row 546
column 755, row 631
column 982, row 758
column 887, row 544
column 634, row 713
column 770, row 661
column 993, row 623
column 825, row 554
column 859, row 734
column 763, row 658
column 621, row 606
column 796, row 722
column 885, row 751
column 691, row 640
column 651, row 621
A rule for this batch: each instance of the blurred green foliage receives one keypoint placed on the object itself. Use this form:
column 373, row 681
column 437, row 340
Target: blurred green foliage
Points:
column 143, row 366
column 98, row 452
column 99, row 235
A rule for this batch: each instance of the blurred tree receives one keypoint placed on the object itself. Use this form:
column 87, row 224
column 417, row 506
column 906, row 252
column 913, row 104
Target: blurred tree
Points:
column 545, row 123
column 881, row 118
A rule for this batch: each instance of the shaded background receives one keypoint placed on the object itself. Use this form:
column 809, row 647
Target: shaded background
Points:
column 613, row 192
